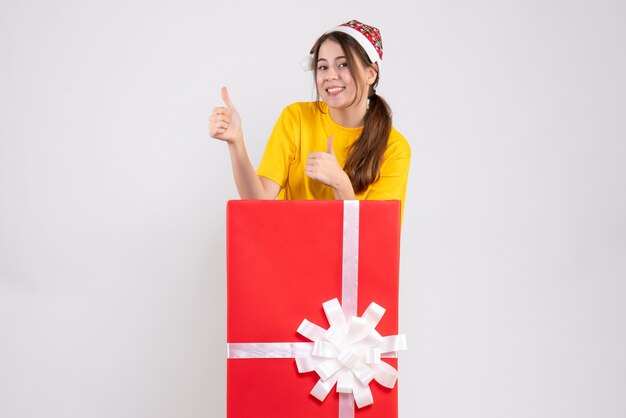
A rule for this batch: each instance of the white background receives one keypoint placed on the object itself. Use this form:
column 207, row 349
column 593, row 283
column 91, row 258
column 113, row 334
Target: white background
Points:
column 112, row 199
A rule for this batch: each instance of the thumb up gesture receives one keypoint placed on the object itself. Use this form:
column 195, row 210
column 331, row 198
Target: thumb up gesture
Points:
column 224, row 122
column 323, row 167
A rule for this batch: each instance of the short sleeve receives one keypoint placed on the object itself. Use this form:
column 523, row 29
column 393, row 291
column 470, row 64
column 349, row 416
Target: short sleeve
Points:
column 394, row 174
column 280, row 150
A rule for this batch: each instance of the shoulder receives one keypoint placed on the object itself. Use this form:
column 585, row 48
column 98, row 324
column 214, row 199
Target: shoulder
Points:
column 301, row 113
column 302, row 108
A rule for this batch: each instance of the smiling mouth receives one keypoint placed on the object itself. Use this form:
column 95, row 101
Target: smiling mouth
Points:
column 335, row 90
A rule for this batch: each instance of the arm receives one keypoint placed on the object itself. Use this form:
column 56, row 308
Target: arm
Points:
column 225, row 125
column 249, row 184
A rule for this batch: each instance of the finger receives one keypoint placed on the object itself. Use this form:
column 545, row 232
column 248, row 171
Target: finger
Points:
column 219, row 111
column 214, row 133
column 330, row 148
column 219, row 118
column 226, row 98
column 316, row 155
column 221, row 128
column 220, row 125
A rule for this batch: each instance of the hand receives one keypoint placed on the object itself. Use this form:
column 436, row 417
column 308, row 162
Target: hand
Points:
column 225, row 123
column 323, row 167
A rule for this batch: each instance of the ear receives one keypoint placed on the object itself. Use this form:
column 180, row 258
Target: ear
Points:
column 371, row 72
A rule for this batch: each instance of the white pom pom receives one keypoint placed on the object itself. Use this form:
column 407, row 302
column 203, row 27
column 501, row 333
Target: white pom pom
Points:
column 307, row 63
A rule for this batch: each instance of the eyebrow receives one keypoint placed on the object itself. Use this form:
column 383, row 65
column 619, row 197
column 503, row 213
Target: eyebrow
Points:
column 338, row 58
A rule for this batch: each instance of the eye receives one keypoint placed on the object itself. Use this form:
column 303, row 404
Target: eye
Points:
column 322, row 67
column 343, row 65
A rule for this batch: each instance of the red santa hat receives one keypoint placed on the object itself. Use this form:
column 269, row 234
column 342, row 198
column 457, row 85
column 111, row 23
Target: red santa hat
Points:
column 367, row 36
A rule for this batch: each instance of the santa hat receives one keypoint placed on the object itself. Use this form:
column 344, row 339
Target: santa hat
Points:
column 367, row 36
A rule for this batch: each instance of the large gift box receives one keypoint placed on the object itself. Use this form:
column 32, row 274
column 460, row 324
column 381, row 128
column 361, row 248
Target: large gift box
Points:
column 293, row 264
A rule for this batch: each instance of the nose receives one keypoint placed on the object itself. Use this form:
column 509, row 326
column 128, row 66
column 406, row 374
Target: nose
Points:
column 330, row 77
column 331, row 74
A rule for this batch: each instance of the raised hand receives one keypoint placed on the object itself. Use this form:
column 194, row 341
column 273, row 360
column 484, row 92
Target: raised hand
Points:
column 224, row 122
column 323, row 167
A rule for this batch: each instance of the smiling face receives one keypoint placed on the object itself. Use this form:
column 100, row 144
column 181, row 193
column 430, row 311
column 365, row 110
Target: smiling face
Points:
column 337, row 85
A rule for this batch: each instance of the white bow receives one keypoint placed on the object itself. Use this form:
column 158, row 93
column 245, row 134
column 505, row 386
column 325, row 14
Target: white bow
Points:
column 349, row 353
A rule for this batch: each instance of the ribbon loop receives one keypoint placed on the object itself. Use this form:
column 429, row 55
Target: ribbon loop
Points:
column 373, row 314
column 306, row 364
column 373, row 339
column 359, row 328
column 371, row 355
column 322, row 388
column 310, row 330
column 328, row 368
column 333, row 312
column 344, row 382
column 393, row 343
column 364, row 373
column 362, row 395
column 385, row 374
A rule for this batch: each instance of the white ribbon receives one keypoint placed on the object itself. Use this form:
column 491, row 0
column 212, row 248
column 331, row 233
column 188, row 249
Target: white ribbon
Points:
column 348, row 353
column 267, row 350
column 350, row 258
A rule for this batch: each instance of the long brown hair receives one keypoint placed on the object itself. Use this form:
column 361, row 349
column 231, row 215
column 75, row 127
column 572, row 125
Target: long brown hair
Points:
column 366, row 154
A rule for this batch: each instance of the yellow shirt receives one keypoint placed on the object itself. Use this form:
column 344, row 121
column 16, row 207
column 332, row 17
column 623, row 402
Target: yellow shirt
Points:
column 302, row 128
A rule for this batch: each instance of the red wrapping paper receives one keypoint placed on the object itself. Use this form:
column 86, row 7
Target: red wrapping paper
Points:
column 284, row 260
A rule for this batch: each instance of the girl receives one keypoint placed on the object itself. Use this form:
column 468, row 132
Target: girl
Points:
column 340, row 147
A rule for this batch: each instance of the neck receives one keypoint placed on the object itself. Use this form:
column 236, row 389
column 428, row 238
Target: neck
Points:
column 349, row 118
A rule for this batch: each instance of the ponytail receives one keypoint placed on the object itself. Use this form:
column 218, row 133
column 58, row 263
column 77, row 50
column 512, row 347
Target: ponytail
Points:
column 366, row 154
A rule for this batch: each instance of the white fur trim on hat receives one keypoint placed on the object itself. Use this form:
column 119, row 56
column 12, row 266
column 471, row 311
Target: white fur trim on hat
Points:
column 363, row 41
column 307, row 63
